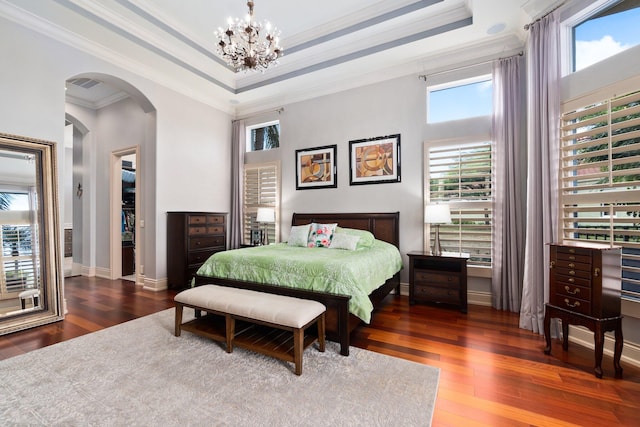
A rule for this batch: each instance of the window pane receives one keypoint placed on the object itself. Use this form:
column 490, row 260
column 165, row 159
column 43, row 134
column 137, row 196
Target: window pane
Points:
column 261, row 189
column 264, row 136
column 606, row 34
column 461, row 176
column 460, row 101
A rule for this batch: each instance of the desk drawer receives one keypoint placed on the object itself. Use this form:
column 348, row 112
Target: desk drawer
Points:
column 436, row 294
column 572, row 291
column 568, row 272
column 571, row 303
column 425, row 277
column 198, row 257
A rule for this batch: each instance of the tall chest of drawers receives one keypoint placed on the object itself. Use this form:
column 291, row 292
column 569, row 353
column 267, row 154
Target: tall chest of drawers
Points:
column 192, row 237
column 585, row 279
column 585, row 289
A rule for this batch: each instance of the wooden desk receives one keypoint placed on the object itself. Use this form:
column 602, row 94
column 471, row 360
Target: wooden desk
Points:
column 597, row 325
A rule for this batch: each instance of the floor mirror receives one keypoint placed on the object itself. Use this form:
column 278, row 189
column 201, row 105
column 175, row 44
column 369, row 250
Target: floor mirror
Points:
column 31, row 291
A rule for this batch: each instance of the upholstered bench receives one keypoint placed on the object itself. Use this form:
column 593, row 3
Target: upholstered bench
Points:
column 252, row 320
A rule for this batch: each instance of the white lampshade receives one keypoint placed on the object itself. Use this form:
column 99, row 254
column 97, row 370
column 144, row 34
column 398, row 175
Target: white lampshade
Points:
column 266, row 215
column 437, row 213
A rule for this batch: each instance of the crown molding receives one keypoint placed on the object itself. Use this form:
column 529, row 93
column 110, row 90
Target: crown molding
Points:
column 64, row 36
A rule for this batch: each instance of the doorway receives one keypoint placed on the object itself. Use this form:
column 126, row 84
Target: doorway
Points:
column 125, row 203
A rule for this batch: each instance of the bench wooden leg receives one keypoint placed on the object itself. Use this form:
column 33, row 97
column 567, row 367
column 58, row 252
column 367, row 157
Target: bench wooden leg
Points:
column 230, row 324
column 321, row 333
column 179, row 308
column 298, row 344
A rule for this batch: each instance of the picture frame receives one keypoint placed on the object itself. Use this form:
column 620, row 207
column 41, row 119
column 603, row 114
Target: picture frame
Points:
column 316, row 168
column 374, row 160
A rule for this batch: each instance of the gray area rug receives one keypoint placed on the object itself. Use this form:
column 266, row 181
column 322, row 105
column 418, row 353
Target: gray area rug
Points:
column 139, row 374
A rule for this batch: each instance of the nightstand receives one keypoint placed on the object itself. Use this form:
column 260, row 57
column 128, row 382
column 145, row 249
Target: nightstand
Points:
column 438, row 279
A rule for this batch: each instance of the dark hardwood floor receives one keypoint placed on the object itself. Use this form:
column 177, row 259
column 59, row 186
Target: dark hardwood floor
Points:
column 491, row 372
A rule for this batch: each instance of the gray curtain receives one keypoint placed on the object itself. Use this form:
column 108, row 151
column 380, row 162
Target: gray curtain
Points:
column 509, row 207
column 543, row 48
column 237, row 183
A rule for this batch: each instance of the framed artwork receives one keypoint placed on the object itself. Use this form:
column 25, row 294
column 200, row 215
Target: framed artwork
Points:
column 374, row 160
column 316, row 168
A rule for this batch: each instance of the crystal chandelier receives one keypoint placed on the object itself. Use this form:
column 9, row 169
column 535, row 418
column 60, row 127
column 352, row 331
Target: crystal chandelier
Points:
column 249, row 45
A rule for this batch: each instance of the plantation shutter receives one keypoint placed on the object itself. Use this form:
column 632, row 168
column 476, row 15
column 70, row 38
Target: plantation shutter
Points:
column 18, row 265
column 261, row 190
column 461, row 176
column 600, row 178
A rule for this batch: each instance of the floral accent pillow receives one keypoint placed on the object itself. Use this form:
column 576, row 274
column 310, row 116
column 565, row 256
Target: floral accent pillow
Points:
column 299, row 235
column 320, row 235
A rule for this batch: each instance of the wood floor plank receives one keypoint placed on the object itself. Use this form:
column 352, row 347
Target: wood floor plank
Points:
column 492, row 372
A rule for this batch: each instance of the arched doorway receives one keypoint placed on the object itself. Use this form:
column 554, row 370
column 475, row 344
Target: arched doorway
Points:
column 114, row 120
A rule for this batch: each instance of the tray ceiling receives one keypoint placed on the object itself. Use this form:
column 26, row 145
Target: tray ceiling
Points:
column 329, row 45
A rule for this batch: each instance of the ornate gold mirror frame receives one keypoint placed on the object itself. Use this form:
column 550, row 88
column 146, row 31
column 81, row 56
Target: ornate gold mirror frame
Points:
column 31, row 288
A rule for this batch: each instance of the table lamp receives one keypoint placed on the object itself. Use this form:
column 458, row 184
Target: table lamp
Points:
column 437, row 214
column 264, row 216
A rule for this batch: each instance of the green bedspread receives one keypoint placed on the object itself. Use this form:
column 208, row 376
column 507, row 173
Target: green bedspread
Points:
column 356, row 273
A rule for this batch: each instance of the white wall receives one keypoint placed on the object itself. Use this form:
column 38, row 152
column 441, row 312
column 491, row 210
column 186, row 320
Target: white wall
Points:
column 391, row 107
column 187, row 168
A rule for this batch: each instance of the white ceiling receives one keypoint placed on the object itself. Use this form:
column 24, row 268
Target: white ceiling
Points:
column 329, row 45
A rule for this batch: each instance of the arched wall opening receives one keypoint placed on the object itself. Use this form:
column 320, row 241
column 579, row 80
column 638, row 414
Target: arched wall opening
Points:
column 111, row 119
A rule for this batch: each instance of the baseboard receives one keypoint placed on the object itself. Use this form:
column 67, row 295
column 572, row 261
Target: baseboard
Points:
column 584, row 337
column 479, row 298
column 87, row 271
column 103, row 273
column 155, row 285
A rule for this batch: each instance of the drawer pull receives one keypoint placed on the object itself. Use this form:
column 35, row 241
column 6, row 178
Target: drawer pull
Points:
column 574, row 305
column 596, row 272
column 571, row 272
column 572, row 258
column 572, row 251
column 574, row 292
column 571, row 265
column 552, row 264
column 571, row 280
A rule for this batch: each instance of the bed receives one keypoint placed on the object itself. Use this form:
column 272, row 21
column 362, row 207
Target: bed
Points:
column 339, row 320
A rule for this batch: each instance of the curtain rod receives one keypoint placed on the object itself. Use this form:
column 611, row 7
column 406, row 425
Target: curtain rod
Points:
column 527, row 26
column 279, row 110
column 423, row 77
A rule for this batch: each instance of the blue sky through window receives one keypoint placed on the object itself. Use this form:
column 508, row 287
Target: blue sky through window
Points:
column 461, row 102
column 600, row 38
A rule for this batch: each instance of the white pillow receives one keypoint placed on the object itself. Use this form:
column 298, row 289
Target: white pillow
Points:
column 299, row 235
column 344, row 241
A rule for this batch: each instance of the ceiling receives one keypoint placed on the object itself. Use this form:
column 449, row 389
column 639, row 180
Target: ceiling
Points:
column 329, row 45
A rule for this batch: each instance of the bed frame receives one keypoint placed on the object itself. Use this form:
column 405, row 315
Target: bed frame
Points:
column 339, row 322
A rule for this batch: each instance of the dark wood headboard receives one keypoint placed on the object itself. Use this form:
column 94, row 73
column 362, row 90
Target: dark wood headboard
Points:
column 384, row 226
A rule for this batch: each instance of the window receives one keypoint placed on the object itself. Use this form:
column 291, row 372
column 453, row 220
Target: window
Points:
column 261, row 190
column 600, row 179
column 18, row 236
column 461, row 176
column 461, row 99
column 263, row 136
column 605, row 34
